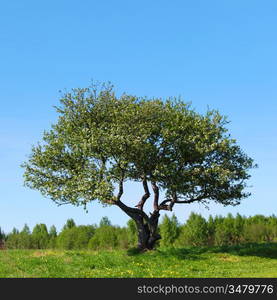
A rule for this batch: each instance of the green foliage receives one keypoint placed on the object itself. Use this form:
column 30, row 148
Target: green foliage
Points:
column 15, row 231
column 225, row 231
column 52, row 237
column 76, row 237
column 53, row 231
column 195, row 231
column 26, row 229
column 239, row 225
column 69, row 224
column 105, row 222
column 256, row 232
column 25, row 238
column 105, row 237
column 123, row 240
column 101, row 139
column 12, row 240
column 272, row 223
column 19, row 240
column 169, row 229
column 2, row 235
column 211, row 228
column 218, row 230
column 40, row 236
column 132, row 232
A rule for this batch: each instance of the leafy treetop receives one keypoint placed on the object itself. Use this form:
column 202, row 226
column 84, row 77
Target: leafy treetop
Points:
column 100, row 141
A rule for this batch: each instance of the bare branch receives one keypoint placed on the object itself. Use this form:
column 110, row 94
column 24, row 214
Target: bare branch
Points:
column 116, row 198
column 120, row 190
column 165, row 206
column 173, row 201
column 64, row 203
column 156, row 195
column 201, row 197
column 145, row 196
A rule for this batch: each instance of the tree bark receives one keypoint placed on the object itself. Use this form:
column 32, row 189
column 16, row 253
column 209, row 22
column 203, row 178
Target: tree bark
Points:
column 147, row 227
column 147, row 232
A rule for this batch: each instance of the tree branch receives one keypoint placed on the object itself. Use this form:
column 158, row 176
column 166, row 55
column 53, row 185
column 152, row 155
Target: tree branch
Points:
column 145, row 196
column 117, row 198
column 165, row 206
column 156, row 195
column 133, row 213
column 120, row 190
column 60, row 204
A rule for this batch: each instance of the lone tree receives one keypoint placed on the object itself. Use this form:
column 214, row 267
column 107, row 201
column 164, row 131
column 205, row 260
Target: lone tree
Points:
column 100, row 141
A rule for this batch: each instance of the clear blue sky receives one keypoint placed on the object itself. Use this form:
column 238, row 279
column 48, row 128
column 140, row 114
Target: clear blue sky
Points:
column 221, row 54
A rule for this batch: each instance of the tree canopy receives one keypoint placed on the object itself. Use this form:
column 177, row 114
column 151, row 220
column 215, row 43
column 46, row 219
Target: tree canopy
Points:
column 100, row 141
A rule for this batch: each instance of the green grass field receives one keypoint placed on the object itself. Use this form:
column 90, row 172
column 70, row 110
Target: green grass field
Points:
column 256, row 260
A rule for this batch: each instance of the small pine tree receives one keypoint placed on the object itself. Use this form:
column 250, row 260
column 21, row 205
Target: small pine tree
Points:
column 26, row 229
column 105, row 222
column 69, row 224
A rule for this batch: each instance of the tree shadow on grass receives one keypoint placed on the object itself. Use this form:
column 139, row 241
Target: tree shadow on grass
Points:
column 189, row 253
column 134, row 251
column 180, row 253
column 265, row 250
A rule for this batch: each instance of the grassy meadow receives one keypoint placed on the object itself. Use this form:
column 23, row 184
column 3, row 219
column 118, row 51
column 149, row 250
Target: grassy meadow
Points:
column 252, row 260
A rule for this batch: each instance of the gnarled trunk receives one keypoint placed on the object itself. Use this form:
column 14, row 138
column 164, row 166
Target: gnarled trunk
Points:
column 147, row 226
column 147, row 232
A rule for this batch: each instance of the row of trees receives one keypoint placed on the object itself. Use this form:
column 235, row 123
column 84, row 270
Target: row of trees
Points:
column 218, row 231
column 197, row 231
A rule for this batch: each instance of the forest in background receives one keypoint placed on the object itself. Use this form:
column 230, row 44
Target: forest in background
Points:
column 196, row 231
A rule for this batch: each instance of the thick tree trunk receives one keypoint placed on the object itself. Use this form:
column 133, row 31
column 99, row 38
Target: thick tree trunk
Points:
column 147, row 232
column 147, row 227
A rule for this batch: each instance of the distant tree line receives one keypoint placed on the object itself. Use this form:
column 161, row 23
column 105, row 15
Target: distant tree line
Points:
column 218, row 230
column 197, row 231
